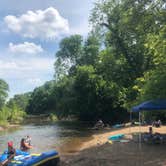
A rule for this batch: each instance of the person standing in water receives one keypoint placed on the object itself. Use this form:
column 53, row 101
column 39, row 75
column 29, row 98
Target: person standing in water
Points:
column 28, row 140
column 25, row 144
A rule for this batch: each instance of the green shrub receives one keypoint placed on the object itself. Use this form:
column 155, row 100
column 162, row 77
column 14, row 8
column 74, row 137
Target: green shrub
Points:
column 53, row 117
column 4, row 115
column 16, row 114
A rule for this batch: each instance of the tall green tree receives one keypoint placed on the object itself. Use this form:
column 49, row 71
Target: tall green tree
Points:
column 41, row 101
column 151, row 85
column 20, row 100
column 4, row 88
column 96, row 97
column 90, row 50
column 65, row 98
column 113, row 69
column 127, row 24
column 70, row 51
column 154, row 81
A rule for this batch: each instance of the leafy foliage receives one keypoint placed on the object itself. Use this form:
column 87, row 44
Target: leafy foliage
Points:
column 127, row 25
column 42, row 99
column 11, row 115
column 68, row 55
column 4, row 114
column 21, row 100
column 16, row 114
column 3, row 92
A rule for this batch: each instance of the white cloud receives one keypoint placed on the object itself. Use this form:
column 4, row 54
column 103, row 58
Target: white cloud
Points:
column 82, row 29
column 25, row 75
column 7, row 65
column 43, row 24
column 25, row 48
column 21, row 69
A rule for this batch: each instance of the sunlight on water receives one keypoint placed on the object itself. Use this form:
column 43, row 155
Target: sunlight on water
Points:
column 62, row 137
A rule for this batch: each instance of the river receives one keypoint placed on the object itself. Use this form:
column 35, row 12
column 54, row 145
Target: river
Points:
column 66, row 137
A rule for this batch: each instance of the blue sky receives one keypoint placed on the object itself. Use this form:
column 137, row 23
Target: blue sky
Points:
column 30, row 31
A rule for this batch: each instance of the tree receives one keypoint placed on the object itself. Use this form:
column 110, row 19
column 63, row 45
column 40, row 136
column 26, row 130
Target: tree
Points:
column 156, row 44
column 4, row 88
column 127, row 24
column 90, row 50
column 68, row 55
column 113, row 69
column 127, row 27
column 95, row 97
column 65, row 98
column 20, row 100
column 41, row 101
column 155, row 80
column 152, row 85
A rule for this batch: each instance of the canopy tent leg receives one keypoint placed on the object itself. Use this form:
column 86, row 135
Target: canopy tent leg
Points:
column 130, row 122
column 140, row 129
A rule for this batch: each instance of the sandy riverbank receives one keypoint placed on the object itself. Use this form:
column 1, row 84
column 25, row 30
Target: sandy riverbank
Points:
column 102, row 138
column 98, row 152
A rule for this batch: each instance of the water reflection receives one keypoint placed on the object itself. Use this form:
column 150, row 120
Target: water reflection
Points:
column 63, row 136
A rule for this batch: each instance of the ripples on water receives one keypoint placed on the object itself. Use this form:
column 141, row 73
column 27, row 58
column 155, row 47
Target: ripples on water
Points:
column 63, row 136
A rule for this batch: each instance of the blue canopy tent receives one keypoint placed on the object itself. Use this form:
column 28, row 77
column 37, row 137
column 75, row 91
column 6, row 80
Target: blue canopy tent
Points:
column 152, row 105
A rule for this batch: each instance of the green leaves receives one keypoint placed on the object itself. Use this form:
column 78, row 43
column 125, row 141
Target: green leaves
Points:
column 3, row 92
column 155, row 80
column 90, row 51
column 70, row 47
column 42, row 99
column 21, row 100
column 68, row 55
column 74, row 52
column 156, row 43
column 127, row 24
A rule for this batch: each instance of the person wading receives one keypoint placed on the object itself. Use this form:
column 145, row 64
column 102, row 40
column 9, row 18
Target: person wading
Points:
column 25, row 145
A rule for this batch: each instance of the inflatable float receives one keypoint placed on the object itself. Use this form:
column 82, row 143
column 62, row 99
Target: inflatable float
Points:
column 50, row 158
column 118, row 126
column 116, row 137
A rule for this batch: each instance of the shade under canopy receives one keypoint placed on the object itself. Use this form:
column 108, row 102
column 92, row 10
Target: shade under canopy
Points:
column 150, row 106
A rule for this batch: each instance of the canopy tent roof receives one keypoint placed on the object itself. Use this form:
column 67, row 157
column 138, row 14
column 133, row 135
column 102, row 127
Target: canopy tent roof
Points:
column 150, row 106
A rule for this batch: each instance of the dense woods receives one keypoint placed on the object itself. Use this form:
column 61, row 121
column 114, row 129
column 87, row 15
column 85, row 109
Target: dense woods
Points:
column 121, row 62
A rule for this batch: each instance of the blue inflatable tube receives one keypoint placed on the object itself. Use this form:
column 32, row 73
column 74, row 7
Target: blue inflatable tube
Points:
column 50, row 158
column 116, row 137
column 3, row 157
column 118, row 126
